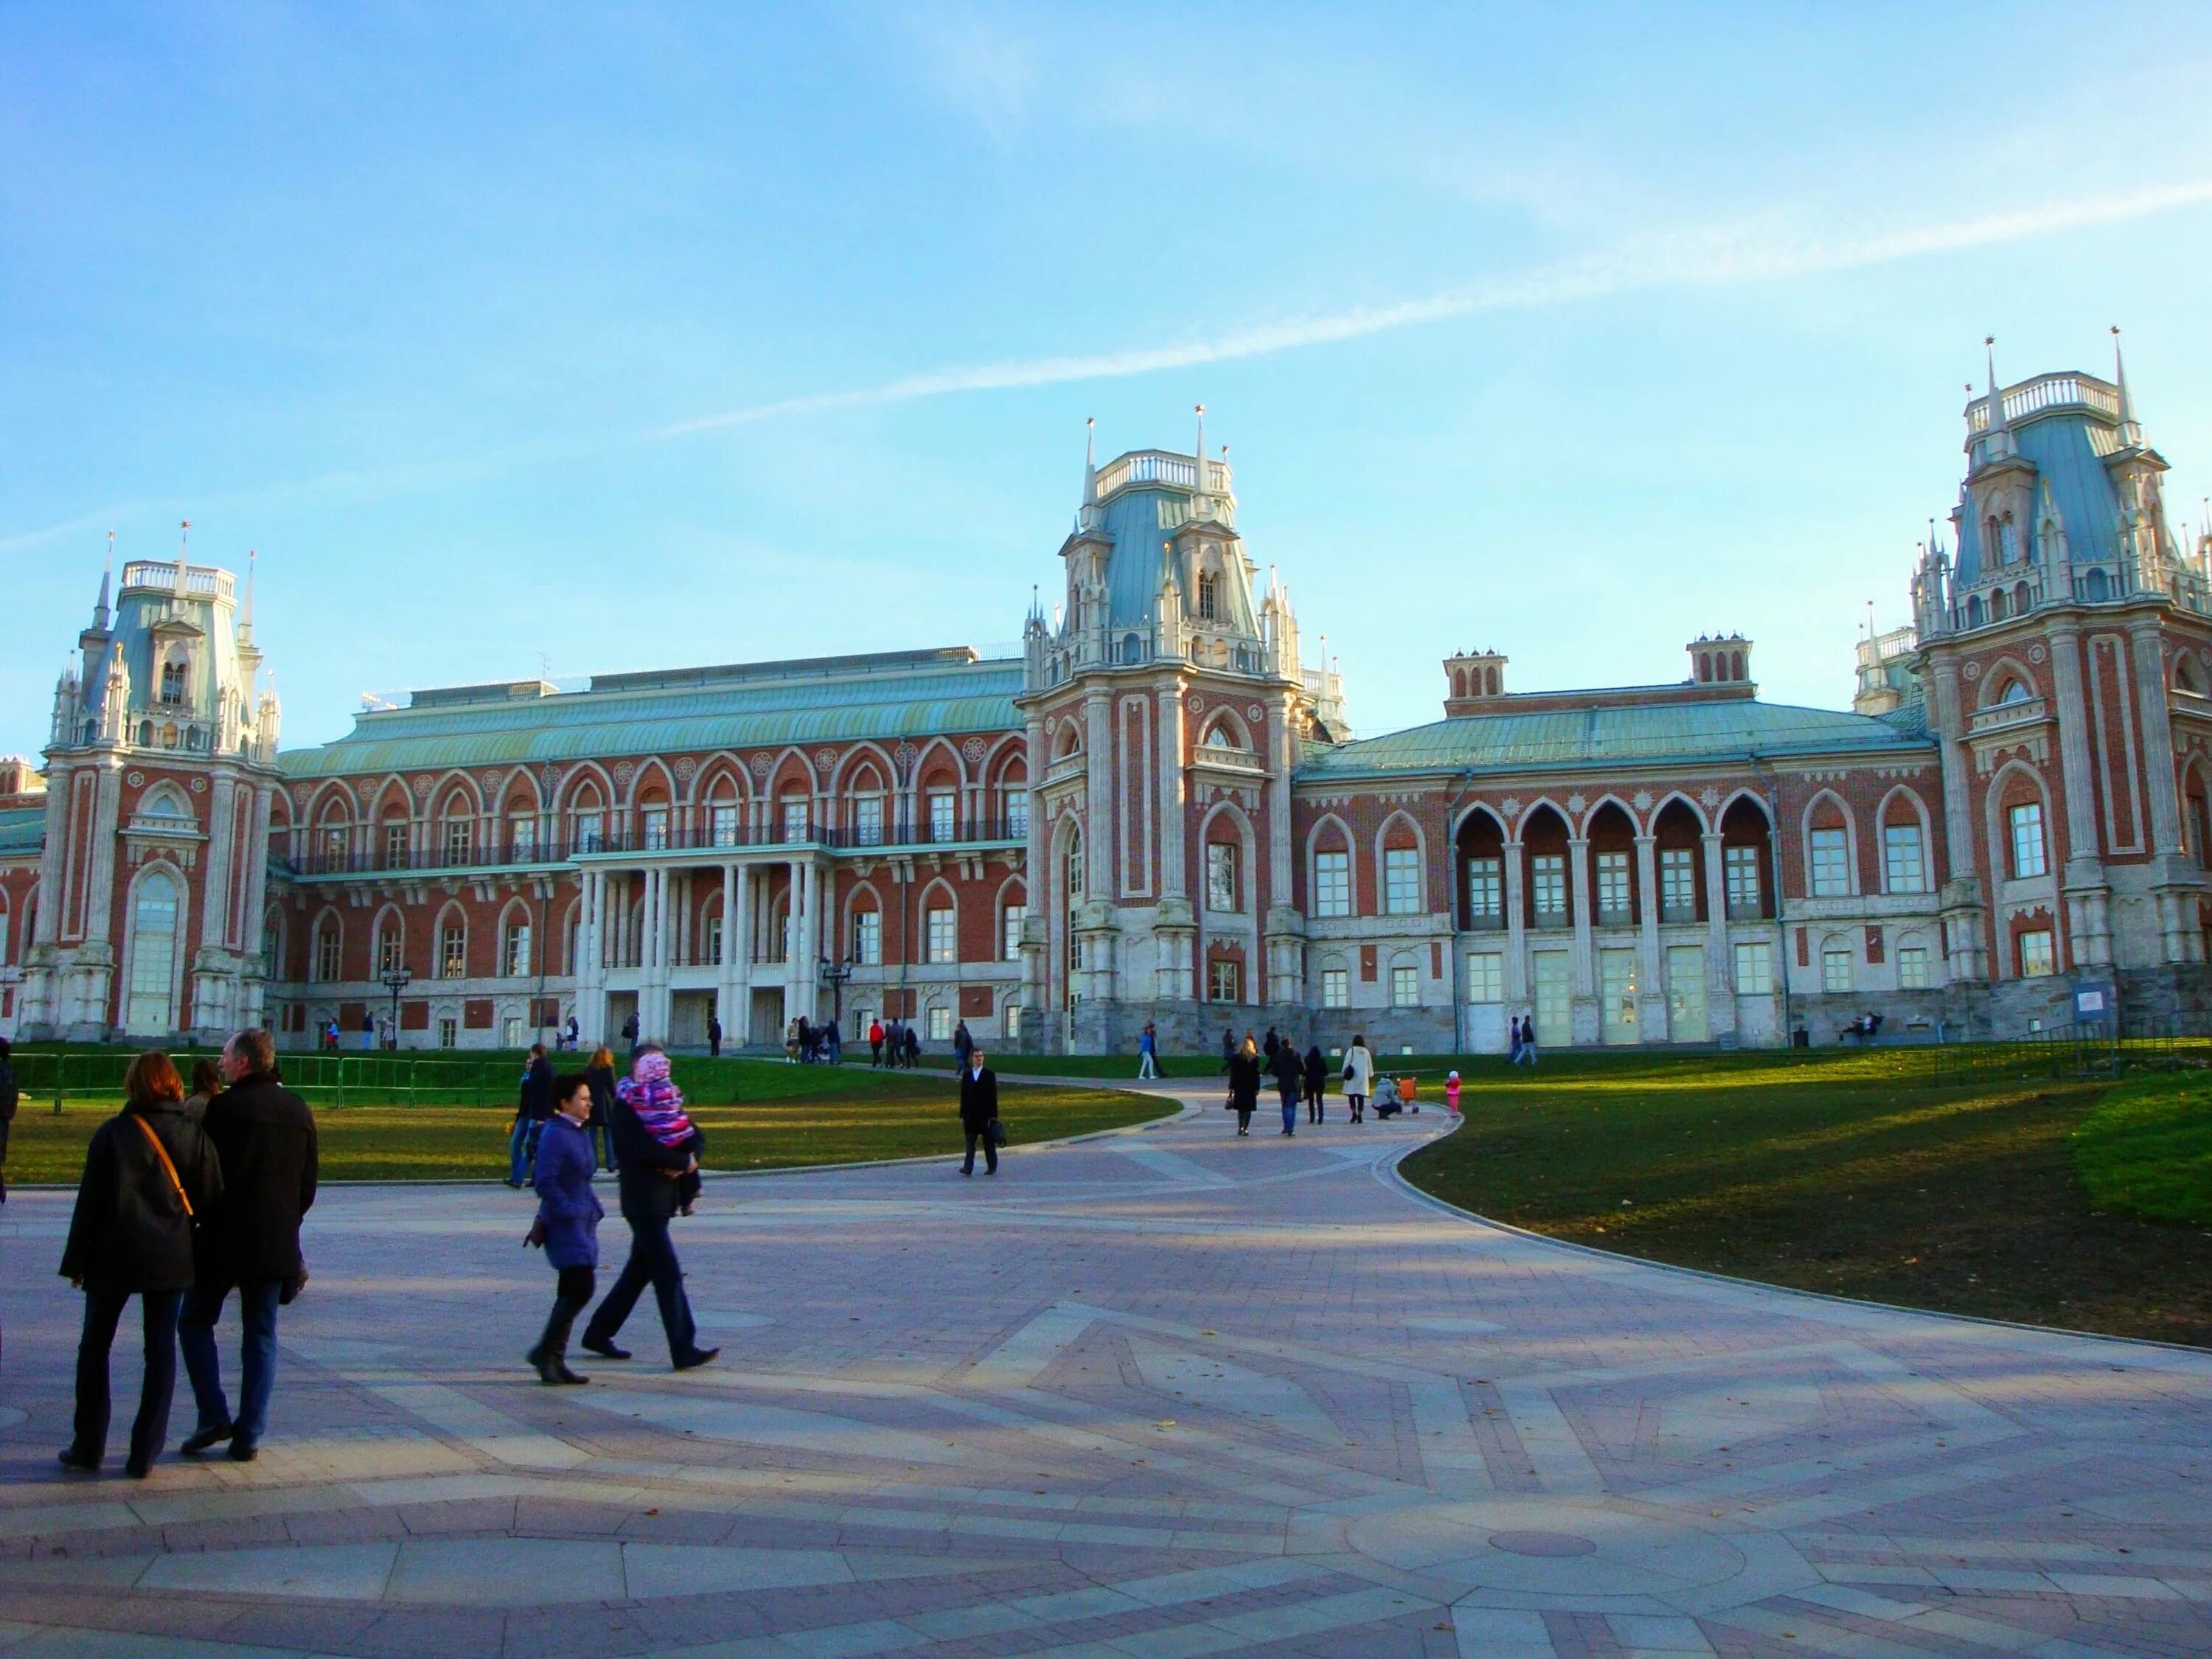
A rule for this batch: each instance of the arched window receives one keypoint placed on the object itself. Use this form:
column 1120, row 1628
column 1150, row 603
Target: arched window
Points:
column 1735, row 665
column 2097, row 585
column 1459, row 682
column 1490, row 681
column 1996, row 604
column 2020, row 600
column 1974, row 614
column 325, row 961
column 1209, row 597
column 153, row 957
column 514, row 944
column 173, row 682
column 2015, row 691
column 391, row 945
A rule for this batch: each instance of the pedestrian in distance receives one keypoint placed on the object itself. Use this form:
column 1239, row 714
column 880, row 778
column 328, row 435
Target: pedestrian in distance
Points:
column 1358, row 1077
column 9, row 1096
column 630, row 1030
column 568, row 1224
column 1244, row 1085
column 979, row 1112
column 1316, row 1081
column 533, row 1105
column 265, row 1136
column 600, row 1074
column 713, row 1036
column 1228, row 1046
column 1289, row 1081
column 875, row 1042
column 207, row 1084
column 1269, row 1047
column 572, row 1034
column 1451, row 1094
column 913, row 1047
column 1527, row 1054
column 1513, row 1041
column 1148, row 1052
column 367, row 1031
column 646, row 1175
column 835, row 1040
column 148, row 1172
column 962, row 1046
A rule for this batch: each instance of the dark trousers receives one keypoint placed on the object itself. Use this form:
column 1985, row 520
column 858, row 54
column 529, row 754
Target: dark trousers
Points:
column 1243, row 1117
column 1290, row 1094
column 257, row 1315
column 1359, row 1104
column 714, row 1048
column 149, row 1432
column 1313, row 1103
column 571, row 1296
column 990, row 1152
column 652, row 1262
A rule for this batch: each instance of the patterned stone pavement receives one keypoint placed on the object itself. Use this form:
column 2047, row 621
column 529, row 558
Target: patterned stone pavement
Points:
column 1165, row 1393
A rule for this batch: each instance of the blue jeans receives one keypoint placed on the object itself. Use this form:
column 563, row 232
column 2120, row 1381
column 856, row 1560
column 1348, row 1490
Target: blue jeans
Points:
column 522, row 1147
column 1289, row 1111
column 257, row 1312
column 103, row 1309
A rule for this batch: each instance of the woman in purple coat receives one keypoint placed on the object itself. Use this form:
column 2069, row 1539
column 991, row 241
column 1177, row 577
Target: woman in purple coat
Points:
column 568, row 1224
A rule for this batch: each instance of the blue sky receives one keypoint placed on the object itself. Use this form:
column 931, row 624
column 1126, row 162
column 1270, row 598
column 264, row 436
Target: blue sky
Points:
column 601, row 338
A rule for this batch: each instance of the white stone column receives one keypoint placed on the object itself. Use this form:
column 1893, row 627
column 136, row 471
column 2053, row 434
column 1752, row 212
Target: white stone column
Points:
column 2157, row 738
column 1174, row 821
column 1720, row 959
column 1651, row 996
column 1099, row 779
column 1516, row 925
column 222, row 806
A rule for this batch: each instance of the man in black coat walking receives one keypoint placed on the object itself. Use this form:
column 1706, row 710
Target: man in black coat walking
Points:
column 533, row 1109
column 979, row 1112
column 264, row 1136
column 646, row 1179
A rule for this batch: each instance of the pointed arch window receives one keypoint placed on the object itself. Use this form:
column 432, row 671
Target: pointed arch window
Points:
column 173, row 682
column 1209, row 597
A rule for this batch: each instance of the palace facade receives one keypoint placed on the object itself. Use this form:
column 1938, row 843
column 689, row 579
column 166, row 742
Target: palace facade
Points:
column 1159, row 812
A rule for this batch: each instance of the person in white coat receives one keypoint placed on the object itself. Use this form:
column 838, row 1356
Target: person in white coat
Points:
column 1358, row 1077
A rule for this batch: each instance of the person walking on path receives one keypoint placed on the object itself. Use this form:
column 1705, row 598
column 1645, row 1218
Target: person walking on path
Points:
column 533, row 1105
column 1316, row 1081
column 1527, row 1054
column 1451, row 1094
column 207, row 1084
column 962, row 1045
column 1513, row 1041
column 979, row 1112
column 646, row 1176
column 713, row 1036
column 1148, row 1052
column 1289, row 1081
column 265, row 1136
column 875, row 1042
column 630, row 1030
column 568, row 1224
column 600, row 1074
column 149, row 1171
column 912, row 1040
column 8, row 1095
column 1244, row 1085
column 1358, row 1077
column 1228, row 1048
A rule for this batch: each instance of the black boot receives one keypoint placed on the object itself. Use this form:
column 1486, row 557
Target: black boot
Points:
column 550, row 1356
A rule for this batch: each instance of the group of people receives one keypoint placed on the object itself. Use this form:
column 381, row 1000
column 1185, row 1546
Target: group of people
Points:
column 534, row 1109
column 186, row 1198
column 1305, row 1077
column 895, row 1044
column 1521, row 1049
column 808, row 1044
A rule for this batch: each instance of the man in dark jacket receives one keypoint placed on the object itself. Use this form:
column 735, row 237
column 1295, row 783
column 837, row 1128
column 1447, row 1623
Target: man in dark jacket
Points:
column 979, row 1112
column 533, row 1105
column 630, row 1030
column 714, row 1037
column 265, row 1137
column 8, row 1093
column 646, row 1178
column 1290, row 1073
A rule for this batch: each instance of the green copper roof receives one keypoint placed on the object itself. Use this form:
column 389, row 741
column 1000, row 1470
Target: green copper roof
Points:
column 1619, row 734
column 910, row 693
column 23, row 831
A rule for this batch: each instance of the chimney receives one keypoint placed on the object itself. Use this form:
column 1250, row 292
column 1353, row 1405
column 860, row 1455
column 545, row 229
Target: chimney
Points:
column 1474, row 680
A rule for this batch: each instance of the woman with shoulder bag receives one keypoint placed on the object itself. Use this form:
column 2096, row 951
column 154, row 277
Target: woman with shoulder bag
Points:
column 1244, row 1084
column 149, row 1172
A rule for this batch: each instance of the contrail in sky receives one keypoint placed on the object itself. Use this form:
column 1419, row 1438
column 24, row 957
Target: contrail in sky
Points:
column 1707, row 259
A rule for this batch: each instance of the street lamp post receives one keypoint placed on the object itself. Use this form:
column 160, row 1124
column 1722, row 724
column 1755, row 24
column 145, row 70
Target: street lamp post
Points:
column 834, row 975
column 395, row 981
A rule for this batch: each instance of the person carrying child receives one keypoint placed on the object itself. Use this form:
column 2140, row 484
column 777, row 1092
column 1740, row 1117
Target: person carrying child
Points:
column 649, row 1092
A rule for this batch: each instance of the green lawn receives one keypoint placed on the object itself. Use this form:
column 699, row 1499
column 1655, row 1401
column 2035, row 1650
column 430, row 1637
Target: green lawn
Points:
column 2020, row 1196
column 788, row 1116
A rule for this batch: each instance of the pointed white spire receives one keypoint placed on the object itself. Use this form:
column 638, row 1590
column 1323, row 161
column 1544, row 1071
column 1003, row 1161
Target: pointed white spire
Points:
column 1199, row 493
column 184, row 546
column 246, row 615
column 100, row 612
column 2131, row 432
column 1997, row 443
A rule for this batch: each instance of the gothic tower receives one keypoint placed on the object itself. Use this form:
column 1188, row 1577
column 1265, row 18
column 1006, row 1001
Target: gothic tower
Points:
column 160, row 770
column 1165, row 707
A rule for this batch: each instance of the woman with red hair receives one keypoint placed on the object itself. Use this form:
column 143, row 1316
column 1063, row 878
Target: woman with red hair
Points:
column 148, row 1172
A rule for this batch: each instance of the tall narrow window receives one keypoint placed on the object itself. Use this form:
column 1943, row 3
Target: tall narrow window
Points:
column 868, row 821
column 390, row 946
column 1209, row 598
column 1011, row 931
column 1740, row 866
column 522, row 837
column 173, row 682
column 653, row 821
column 395, row 843
column 1485, row 976
column 1221, row 877
column 1405, row 988
column 722, row 823
column 1913, row 967
column 1336, row 988
column 1332, row 883
column 2026, row 822
column 868, row 938
column 1548, row 889
column 1831, row 864
column 328, row 945
column 515, row 950
column 1224, row 981
column 1903, row 868
column 458, row 838
column 453, row 952
column 794, row 820
column 1486, row 892
column 943, row 944
column 1613, row 906
column 591, row 832
column 1018, row 812
column 940, row 815
column 1835, row 969
column 1402, row 881
column 1678, row 884
column 1754, row 968
column 939, row 1020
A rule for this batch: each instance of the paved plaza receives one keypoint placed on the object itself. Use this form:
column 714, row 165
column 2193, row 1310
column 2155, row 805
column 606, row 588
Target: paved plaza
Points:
column 1162, row 1393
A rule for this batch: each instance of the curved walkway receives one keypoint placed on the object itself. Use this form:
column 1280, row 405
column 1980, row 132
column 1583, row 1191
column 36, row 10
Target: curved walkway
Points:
column 1164, row 1394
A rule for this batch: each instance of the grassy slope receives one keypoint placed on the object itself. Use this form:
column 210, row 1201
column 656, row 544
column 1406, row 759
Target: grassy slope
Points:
column 1820, row 1171
column 2146, row 1149
column 790, row 1116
